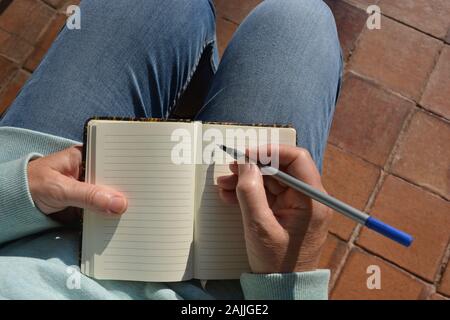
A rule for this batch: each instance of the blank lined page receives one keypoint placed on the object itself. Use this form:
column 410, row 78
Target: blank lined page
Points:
column 220, row 251
column 153, row 239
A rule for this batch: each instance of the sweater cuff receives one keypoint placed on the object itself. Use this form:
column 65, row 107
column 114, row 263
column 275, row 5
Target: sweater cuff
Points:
column 19, row 215
column 310, row 285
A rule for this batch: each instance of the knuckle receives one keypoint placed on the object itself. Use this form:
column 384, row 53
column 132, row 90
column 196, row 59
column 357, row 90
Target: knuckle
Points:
column 90, row 194
column 303, row 154
column 72, row 156
column 57, row 188
column 322, row 215
column 264, row 234
column 74, row 153
column 246, row 185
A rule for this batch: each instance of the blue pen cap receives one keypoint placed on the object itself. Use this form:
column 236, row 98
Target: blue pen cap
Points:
column 390, row 232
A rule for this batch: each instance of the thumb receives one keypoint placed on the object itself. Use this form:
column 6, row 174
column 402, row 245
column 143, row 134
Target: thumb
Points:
column 93, row 197
column 252, row 196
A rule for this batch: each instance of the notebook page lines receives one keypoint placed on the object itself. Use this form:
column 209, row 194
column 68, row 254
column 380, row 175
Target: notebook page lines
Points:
column 153, row 238
column 220, row 241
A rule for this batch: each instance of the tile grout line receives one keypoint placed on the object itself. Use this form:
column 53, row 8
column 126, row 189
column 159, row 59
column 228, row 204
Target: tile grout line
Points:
column 443, row 265
column 34, row 46
column 399, row 268
column 405, row 125
column 48, row 5
column 355, row 44
column 435, row 63
column 395, row 93
column 412, row 27
column 379, row 85
column 21, row 65
column 340, row 265
column 357, row 229
column 428, row 76
column 432, row 192
column 383, row 174
column 415, row 109
column 44, row 29
column 390, row 160
column 364, row 8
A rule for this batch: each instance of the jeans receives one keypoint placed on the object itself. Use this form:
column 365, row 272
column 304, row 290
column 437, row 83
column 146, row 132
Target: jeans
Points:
column 153, row 58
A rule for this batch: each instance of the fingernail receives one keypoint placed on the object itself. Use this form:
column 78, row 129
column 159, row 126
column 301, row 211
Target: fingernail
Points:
column 117, row 204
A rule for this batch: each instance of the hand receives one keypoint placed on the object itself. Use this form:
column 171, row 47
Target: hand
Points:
column 54, row 186
column 284, row 229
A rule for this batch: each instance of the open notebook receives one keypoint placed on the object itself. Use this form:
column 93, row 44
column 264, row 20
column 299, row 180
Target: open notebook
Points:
column 176, row 227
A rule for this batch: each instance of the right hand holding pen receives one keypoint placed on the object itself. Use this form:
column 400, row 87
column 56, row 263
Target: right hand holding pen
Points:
column 284, row 229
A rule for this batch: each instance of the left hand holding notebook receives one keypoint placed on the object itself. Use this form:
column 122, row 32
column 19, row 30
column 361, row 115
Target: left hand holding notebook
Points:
column 54, row 186
column 284, row 229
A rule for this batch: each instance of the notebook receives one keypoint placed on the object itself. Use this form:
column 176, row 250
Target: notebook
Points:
column 176, row 227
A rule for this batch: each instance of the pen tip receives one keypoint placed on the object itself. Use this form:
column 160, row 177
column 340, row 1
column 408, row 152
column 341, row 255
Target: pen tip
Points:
column 221, row 146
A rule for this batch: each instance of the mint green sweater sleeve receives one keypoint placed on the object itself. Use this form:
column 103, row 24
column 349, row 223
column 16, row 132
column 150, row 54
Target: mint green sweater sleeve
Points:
column 19, row 216
column 311, row 285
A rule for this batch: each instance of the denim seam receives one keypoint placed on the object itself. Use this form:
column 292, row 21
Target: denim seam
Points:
column 188, row 80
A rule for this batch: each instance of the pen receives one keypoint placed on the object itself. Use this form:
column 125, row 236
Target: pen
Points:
column 339, row 206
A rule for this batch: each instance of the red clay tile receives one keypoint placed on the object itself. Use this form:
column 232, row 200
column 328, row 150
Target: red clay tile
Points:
column 332, row 254
column 388, row 54
column 423, row 215
column 7, row 71
column 224, row 30
column 13, row 47
column 444, row 286
column 349, row 179
column 10, row 92
column 26, row 19
column 368, row 120
column 431, row 17
column 395, row 284
column 349, row 21
column 235, row 10
column 437, row 93
column 424, row 153
column 45, row 42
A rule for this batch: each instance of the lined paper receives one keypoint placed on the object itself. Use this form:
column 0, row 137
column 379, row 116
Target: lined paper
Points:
column 153, row 239
column 220, row 251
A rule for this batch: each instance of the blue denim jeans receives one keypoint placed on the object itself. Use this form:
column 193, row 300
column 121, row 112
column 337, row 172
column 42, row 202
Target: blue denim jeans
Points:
column 153, row 58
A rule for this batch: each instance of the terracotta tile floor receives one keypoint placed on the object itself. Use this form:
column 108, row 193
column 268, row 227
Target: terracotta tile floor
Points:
column 389, row 148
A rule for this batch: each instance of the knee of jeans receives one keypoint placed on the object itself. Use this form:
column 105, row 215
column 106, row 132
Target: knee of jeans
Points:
column 298, row 15
column 182, row 11
column 170, row 16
